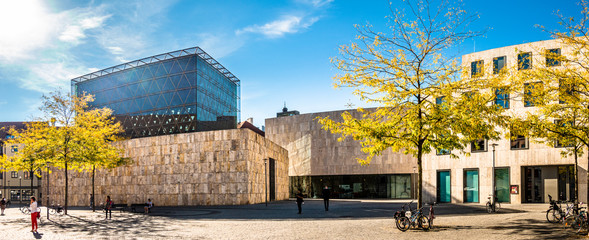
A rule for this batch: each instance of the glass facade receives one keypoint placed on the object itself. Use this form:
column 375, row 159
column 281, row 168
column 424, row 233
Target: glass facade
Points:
column 392, row 186
column 177, row 92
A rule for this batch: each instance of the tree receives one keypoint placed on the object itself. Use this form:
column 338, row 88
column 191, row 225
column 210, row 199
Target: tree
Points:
column 32, row 153
column 562, row 114
column 80, row 138
column 425, row 103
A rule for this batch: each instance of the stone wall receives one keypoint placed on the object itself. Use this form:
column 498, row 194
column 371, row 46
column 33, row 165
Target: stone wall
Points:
column 313, row 151
column 204, row 168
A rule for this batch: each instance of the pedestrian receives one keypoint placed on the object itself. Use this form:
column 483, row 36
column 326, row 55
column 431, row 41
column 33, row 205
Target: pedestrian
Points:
column 3, row 205
column 108, row 207
column 34, row 214
column 148, row 206
column 326, row 194
column 300, row 201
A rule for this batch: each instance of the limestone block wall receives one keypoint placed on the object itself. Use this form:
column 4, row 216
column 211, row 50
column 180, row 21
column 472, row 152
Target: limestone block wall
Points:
column 223, row 167
column 314, row 151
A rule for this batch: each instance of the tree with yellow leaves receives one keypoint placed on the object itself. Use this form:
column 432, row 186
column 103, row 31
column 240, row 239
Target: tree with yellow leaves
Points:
column 79, row 138
column 425, row 103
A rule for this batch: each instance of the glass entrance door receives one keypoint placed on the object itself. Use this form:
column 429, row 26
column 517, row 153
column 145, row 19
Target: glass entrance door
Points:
column 443, row 192
column 471, row 186
column 533, row 183
column 502, row 184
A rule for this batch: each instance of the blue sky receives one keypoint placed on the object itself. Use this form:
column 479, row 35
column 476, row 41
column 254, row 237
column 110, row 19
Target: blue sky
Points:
column 280, row 50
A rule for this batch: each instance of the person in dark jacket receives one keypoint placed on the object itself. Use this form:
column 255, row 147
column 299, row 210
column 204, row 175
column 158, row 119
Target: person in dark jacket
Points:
column 326, row 193
column 300, row 200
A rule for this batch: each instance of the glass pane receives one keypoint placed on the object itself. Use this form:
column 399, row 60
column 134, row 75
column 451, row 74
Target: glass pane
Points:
column 471, row 189
column 502, row 184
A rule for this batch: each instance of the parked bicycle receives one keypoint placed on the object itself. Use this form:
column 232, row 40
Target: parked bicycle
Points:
column 413, row 219
column 493, row 206
column 56, row 210
column 25, row 209
column 555, row 213
column 399, row 214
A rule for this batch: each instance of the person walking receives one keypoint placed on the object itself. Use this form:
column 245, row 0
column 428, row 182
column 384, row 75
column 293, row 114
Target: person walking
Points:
column 326, row 193
column 108, row 207
column 3, row 205
column 300, row 201
column 34, row 213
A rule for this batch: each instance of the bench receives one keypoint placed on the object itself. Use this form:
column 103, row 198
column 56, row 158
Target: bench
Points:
column 140, row 207
column 120, row 207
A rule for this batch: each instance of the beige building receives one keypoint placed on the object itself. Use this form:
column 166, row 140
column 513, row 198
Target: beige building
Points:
column 15, row 185
column 525, row 172
column 224, row 167
column 318, row 159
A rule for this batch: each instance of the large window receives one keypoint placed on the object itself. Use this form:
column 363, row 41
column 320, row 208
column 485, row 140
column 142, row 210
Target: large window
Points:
column 519, row 142
column 392, row 186
column 563, row 141
column 479, row 145
column 502, row 184
column 476, row 68
column 553, row 57
column 26, row 174
column 471, row 185
column 524, row 61
column 531, row 94
column 502, row 97
column 498, row 64
column 566, row 91
column 14, row 174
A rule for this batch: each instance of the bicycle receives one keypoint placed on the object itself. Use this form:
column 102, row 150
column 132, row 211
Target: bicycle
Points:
column 25, row 210
column 399, row 214
column 56, row 210
column 416, row 219
column 493, row 206
column 554, row 214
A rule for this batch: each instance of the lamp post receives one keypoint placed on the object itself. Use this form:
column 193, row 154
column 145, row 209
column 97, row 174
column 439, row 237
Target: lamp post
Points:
column 493, row 177
column 265, row 181
column 20, row 190
column 415, row 178
column 47, row 193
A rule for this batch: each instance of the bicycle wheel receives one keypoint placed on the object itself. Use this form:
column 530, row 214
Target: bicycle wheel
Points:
column 423, row 223
column 576, row 223
column 403, row 224
column 489, row 208
column 552, row 216
column 52, row 211
column 60, row 212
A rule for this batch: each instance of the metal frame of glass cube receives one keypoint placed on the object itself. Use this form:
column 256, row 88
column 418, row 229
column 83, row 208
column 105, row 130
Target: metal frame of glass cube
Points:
column 176, row 92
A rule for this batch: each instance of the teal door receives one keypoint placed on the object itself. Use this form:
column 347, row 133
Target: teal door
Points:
column 444, row 186
column 471, row 186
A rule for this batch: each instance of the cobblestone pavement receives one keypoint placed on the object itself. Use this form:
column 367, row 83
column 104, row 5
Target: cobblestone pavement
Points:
column 279, row 220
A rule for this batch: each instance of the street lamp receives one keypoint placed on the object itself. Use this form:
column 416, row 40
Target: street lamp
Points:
column 493, row 176
column 265, row 181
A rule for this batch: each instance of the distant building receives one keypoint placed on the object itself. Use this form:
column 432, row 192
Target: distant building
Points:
column 176, row 92
column 286, row 113
column 16, row 185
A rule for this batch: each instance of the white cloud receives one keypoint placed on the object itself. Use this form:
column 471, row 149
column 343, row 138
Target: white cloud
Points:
column 218, row 45
column 115, row 50
column 75, row 32
column 316, row 3
column 49, row 76
column 278, row 28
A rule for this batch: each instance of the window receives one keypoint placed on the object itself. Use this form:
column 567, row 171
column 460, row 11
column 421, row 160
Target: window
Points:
column 524, row 61
column 8, row 136
column 13, row 148
column 531, row 97
column 552, row 57
column 14, row 174
column 440, row 100
column 519, row 142
column 471, row 185
column 498, row 64
column 476, row 68
column 1, row 175
column 566, row 90
column 563, row 141
column 478, row 145
column 502, row 97
column 443, row 152
column 26, row 174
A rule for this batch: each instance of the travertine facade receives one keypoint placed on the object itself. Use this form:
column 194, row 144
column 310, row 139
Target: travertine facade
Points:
column 203, row 168
column 540, row 156
column 313, row 151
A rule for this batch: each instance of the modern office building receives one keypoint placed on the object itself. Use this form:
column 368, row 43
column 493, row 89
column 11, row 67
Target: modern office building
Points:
column 525, row 171
column 15, row 185
column 318, row 159
column 176, row 92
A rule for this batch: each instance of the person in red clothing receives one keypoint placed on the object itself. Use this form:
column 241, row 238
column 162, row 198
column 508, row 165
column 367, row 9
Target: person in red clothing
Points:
column 34, row 214
column 107, row 207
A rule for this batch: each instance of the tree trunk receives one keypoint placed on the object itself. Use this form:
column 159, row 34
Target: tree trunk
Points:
column 576, row 173
column 31, row 177
column 93, row 195
column 419, row 175
column 65, row 205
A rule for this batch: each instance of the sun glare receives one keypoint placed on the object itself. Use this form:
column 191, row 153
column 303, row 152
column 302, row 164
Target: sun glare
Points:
column 23, row 24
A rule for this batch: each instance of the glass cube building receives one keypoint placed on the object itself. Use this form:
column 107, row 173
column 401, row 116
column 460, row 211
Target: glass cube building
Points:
column 175, row 92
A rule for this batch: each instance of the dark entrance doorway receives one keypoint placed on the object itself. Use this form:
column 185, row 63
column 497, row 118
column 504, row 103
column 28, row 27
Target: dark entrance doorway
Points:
column 534, row 188
column 272, row 178
column 566, row 183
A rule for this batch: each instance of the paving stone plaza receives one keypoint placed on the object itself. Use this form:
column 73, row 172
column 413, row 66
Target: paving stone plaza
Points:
column 279, row 220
